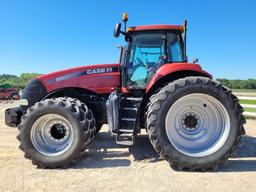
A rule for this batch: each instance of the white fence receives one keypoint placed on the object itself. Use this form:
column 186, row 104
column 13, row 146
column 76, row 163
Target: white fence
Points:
column 248, row 105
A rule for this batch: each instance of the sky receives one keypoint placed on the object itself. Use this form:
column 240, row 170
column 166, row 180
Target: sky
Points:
column 48, row 35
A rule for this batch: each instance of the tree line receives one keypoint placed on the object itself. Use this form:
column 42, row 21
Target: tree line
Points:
column 239, row 84
column 9, row 81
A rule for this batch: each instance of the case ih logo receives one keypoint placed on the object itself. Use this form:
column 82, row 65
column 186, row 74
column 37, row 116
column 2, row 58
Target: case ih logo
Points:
column 101, row 70
column 82, row 73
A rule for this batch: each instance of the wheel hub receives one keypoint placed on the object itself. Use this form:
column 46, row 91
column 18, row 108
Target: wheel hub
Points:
column 58, row 131
column 51, row 134
column 190, row 122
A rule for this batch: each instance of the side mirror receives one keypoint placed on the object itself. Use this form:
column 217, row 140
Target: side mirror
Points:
column 117, row 30
column 195, row 60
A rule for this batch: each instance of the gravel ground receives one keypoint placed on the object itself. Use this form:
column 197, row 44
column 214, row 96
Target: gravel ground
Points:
column 107, row 166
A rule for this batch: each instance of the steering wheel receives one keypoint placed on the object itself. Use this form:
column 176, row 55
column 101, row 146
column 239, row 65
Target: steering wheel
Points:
column 148, row 66
column 140, row 62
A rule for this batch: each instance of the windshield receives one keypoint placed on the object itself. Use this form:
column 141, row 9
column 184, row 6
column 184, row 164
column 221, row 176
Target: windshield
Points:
column 147, row 52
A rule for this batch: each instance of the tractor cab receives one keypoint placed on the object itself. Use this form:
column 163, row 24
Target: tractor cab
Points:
column 148, row 49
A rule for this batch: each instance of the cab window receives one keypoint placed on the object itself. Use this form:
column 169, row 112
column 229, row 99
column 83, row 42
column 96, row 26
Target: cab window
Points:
column 174, row 49
column 146, row 55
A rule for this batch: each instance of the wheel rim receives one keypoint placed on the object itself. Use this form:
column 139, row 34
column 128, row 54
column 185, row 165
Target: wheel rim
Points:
column 51, row 134
column 197, row 125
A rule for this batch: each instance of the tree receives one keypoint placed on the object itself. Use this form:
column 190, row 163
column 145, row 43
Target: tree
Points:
column 239, row 84
column 7, row 81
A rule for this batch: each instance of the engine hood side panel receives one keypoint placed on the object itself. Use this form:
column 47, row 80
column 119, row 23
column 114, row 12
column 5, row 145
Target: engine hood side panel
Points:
column 97, row 78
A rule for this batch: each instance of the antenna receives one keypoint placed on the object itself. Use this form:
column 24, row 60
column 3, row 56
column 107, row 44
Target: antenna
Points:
column 185, row 40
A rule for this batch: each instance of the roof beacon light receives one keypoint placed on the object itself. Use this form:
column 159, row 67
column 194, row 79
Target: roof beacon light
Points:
column 125, row 17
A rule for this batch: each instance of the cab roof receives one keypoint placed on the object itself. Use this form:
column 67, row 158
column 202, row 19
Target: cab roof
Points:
column 155, row 27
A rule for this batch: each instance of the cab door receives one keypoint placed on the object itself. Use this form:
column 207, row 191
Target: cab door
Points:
column 146, row 52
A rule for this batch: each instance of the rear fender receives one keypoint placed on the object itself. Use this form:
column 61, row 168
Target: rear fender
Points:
column 175, row 71
column 166, row 74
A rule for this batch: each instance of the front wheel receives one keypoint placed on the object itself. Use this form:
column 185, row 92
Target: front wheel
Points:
column 195, row 123
column 54, row 132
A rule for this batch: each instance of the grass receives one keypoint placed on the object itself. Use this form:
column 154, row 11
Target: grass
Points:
column 253, row 110
column 251, row 102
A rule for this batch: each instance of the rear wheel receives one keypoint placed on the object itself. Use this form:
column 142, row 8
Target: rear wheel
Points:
column 54, row 132
column 195, row 123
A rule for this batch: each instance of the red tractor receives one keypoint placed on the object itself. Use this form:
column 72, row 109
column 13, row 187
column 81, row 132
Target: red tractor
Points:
column 9, row 94
column 193, row 121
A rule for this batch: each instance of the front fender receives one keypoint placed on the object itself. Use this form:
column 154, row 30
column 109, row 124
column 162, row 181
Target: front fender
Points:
column 34, row 91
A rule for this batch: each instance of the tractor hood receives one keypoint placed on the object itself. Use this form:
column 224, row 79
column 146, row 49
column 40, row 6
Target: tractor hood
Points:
column 100, row 79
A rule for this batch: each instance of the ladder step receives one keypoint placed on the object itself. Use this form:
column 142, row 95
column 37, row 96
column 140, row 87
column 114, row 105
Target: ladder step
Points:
column 128, row 119
column 124, row 139
column 130, row 108
column 133, row 98
column 125, row 130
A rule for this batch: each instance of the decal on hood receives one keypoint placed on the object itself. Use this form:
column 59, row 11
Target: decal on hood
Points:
column 82, row 73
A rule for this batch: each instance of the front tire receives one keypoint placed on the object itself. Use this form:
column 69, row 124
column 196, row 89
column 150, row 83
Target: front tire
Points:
column 83, row 107
column 98, row 127
column 53, row 133
column 195, row 123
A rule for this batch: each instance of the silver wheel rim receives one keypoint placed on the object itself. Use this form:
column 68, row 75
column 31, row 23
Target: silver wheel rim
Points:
column 51, row 134
column 197, row 125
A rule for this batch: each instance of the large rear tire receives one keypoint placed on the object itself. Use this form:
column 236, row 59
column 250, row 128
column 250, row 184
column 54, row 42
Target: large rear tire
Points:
column 54, row 132
column 195, row 123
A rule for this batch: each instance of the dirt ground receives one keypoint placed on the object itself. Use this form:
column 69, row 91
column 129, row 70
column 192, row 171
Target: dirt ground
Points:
column 107, row 166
